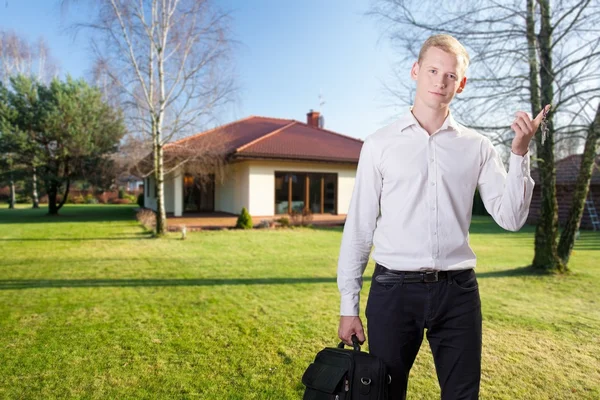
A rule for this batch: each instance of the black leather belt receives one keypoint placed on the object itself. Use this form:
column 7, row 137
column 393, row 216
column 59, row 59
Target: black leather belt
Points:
column 390, row 276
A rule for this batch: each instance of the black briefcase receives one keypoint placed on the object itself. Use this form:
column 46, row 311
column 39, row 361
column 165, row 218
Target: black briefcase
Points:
column 342, row 374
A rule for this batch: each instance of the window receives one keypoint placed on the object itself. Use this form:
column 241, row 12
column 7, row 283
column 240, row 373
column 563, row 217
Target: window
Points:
column 198, row 194
column 297, row 191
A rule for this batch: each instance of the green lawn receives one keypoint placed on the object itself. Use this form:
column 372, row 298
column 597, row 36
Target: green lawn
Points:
column 92, row 307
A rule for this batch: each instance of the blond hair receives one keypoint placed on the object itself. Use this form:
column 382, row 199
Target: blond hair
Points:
column 449, row 44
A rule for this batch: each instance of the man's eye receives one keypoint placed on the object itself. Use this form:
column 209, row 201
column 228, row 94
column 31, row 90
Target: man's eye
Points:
column 452, row 76
column 433, row 71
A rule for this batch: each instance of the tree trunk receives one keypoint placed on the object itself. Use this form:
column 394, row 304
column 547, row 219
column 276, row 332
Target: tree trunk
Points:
column 53, row 186
column 546, row 234
column 36, row 202
column 534, row 84
column 13, row 197
column 65, row 195
column 52, row 193
column 161, row 216
column 567, row 238
column 160, row 58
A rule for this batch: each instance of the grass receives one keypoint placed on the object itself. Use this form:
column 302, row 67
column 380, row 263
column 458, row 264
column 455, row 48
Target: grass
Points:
column 91, row 307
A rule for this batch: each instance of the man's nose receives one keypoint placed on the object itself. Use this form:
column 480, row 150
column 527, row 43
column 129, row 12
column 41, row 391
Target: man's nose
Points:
column 440, row 82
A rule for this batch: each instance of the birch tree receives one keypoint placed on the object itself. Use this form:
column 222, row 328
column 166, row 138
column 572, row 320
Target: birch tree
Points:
column 170, row 61
column 525, row 54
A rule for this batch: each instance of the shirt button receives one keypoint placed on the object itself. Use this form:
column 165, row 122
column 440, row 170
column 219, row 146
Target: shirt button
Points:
column 434, row 233
column 432, row 183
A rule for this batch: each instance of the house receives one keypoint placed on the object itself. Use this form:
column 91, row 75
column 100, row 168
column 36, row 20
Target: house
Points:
column 130, row 183
column 567, row 171
column 273, row 167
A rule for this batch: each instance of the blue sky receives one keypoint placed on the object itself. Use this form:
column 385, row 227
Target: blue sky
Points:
column 289, row 52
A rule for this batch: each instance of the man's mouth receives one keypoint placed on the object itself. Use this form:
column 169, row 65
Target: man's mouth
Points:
column 436, row 93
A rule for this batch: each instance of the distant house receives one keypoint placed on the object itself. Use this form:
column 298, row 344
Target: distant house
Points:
column 130, row 183
column 567, row 171
column 274, row 166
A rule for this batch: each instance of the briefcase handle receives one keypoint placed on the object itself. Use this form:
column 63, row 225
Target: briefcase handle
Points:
column 355, row 344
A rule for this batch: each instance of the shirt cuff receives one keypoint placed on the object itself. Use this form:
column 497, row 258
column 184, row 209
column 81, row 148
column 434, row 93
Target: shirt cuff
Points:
column 350, row 305
column 519, row 165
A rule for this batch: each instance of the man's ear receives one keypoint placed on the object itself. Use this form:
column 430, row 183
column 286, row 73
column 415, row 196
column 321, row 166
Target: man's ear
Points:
column 462, row 85
column 414, row 71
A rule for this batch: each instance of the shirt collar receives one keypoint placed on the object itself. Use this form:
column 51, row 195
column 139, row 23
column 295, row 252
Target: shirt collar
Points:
column 408, row 119
column 450, row 123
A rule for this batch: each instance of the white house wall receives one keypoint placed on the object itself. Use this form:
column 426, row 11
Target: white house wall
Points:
column 178, row 193
column 251, row 184
column 262, row 183
column 149, row 198
column 169, row 188
column 262, row 189
column 173, row 187
column 346, row 179
column 233, row 193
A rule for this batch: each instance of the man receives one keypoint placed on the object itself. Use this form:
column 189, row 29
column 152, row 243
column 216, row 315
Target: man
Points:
column 412, row 200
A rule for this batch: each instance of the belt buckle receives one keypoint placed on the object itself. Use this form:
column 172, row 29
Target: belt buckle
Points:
column 431, row 276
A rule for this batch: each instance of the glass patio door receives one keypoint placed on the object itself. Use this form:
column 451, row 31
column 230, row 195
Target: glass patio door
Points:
column 198, row 197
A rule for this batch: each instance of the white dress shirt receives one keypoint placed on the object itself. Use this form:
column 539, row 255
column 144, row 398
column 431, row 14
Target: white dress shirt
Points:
column 413, row 198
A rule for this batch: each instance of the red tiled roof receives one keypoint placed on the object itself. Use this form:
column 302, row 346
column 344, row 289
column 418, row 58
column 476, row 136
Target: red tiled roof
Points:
column 272, row 138
column 567, row 171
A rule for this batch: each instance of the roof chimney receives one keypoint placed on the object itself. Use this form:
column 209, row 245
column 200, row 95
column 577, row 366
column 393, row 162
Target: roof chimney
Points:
column 312, row 118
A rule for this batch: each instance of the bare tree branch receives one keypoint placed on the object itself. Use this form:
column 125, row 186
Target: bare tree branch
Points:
column 168, row 62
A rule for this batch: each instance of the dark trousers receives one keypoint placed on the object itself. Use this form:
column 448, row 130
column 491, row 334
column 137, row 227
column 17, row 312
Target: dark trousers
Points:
column 450, row 310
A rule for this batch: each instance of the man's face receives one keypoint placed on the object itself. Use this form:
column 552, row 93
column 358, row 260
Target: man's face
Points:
column 439, row 77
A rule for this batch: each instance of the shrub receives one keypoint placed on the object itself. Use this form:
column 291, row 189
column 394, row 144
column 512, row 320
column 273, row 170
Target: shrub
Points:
column 147, row 218
column 121, row 193
column 78, row 199
column 244, row 220
column 120, row 201
column 296, row 217
column 22, row 199
column 284, row 221
column 90, row 199
column 307, row 217
column 102, row 198
column 140, row 200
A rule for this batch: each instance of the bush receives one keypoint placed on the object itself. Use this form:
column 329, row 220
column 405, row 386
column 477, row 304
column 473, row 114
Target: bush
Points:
column 296, row 217
column 22, row 199
column 244, row 220
column 147, row 218
column 90, row 199
column 131, row 198
column 307, row 217
column 76, row 199
column 284, row 221
column 120, row 201
column 121, row 193
column 140, row 200
column 102, row 198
